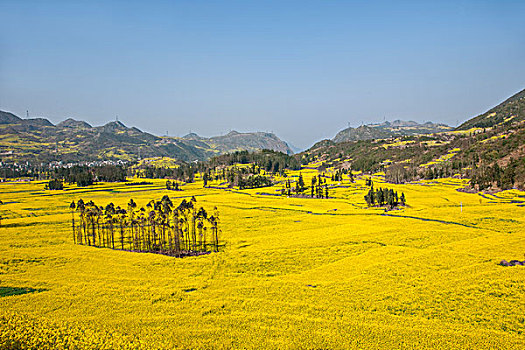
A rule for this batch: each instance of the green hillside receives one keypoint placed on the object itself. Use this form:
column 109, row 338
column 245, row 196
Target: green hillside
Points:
column 488, row 149
column 510, row 111
column 38, row 140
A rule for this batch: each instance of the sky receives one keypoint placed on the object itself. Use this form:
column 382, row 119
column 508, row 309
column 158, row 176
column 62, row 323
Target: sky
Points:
column 301, row 69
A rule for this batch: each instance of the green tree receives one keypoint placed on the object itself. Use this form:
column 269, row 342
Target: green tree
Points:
column 300, row 184
column 55, row 184
column 72, row 206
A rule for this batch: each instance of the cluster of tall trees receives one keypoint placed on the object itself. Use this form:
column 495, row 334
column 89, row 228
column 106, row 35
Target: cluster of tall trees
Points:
column 55, row 184
column 317, row 189
column 173, row 185
column 338, row 175
column 160, row 227
column 219, row 175
column 254, row 181
column 384, row 197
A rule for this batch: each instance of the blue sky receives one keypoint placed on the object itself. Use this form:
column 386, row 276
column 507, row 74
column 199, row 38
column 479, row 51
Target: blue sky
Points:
column 302, row 69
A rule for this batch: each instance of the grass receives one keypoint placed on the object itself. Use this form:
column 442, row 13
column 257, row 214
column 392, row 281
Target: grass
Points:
column 295, row 272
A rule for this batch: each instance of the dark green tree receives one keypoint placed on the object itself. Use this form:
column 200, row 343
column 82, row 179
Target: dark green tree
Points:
column 300, row 184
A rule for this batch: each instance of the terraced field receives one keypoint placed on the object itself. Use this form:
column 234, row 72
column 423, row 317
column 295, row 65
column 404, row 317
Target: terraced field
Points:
column 294, row 272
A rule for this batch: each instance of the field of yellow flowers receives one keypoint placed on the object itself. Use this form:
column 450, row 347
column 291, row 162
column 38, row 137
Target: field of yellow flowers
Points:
column 293, row 273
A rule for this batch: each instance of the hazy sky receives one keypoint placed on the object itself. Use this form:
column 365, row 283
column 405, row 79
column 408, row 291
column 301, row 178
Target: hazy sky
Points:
column 302, row 69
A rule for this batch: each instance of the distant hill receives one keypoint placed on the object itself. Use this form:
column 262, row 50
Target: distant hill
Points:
column 389, row 129
column 192, row 136
column 510, row 111
column 10, row 118
column 235, row 141
column 72, row 123
column 73, row 141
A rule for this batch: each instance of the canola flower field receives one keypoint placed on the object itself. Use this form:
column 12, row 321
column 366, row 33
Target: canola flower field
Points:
column 293, row 272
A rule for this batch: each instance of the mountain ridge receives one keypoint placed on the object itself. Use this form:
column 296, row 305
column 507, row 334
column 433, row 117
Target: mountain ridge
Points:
column 389, row 129
column 509, row 111
column 37, row 139
column 235, row 140
column 488, row 149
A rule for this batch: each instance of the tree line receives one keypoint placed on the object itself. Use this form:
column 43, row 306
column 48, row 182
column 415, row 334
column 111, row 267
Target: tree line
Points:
column 244, row 177
column 173, row 185
column 160, row 227
column 338, row 175
column 184, row 172
column 84, row 175
column 317, row 189
column 383, row 196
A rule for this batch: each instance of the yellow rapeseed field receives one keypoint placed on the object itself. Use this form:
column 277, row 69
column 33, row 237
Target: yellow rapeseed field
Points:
column 293, row 273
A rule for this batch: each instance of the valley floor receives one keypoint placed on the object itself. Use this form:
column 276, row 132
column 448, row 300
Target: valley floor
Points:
column 294, row 272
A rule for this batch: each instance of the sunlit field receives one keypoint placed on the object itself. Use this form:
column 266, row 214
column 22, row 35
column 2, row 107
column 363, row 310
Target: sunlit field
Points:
column 292, row 273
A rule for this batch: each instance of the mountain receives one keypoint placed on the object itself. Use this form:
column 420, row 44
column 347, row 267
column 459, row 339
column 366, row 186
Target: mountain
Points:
column 294, row 148
column 492, row 156
column 37, row 122
column 510, row 111
column 74, row 141
column 192, row 136
column 72, row 123
column 389, row 129
column 9, row 118
column 251, row 141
